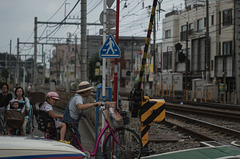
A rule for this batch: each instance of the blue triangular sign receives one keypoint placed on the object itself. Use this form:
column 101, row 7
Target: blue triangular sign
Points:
column 110, row 49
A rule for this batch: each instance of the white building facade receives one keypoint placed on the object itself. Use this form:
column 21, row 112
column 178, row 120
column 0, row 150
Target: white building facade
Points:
column 209, row 59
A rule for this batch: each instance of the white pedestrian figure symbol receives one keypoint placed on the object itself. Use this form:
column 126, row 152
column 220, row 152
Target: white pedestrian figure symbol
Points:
column 111, row 45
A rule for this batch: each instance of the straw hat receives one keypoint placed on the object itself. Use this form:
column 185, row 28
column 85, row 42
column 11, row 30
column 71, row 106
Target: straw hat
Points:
column 84, row 86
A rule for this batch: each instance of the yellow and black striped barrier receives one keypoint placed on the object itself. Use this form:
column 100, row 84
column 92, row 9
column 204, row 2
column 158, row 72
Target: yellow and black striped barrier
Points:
column 152, row 110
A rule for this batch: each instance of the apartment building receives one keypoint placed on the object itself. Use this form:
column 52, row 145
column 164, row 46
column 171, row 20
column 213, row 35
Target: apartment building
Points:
column 129, row 47
column 203, row 47
column 65, row 63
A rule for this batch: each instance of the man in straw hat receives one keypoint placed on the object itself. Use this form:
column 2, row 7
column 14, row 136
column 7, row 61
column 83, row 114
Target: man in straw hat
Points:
column 76, row 105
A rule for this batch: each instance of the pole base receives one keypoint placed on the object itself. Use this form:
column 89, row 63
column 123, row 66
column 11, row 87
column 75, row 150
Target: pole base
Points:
column 146, row 151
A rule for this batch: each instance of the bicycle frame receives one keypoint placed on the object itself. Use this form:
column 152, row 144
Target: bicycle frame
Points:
column 94, row 152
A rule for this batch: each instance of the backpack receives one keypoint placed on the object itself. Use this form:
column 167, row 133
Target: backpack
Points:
column 14, row 119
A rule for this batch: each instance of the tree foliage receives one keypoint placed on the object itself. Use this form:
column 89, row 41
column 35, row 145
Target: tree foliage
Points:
column 4, row 74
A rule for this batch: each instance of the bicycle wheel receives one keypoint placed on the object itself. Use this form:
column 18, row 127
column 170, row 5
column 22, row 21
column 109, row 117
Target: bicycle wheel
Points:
column 131, row 142
column 2, row 127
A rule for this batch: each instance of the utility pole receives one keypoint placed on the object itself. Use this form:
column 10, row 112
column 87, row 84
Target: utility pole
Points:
column 68, row 54
column 75, row 61
column 132, row 72
column 17, row 80
column 43, row 77
column 6, row 58
column 237, row 48
column 83, row 41
column 9, row 63
column 207, row 44
column 35, row 55
column 186, row 60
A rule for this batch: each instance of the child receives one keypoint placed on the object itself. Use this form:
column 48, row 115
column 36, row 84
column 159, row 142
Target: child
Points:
column 47, row 106
column 15, row 104
column 14, row 125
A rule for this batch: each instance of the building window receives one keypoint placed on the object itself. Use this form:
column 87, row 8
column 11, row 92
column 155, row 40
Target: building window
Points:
column 227, row 17
column 167, row 34
column 183, row 32
column 227, row 48
column 167, row 60
column 183, row 28
column 212, row 19
column 190, row 31
column 199, row 25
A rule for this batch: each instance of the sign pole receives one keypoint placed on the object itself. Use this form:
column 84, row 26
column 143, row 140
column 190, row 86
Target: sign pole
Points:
column 104, row 59
column 116, row 69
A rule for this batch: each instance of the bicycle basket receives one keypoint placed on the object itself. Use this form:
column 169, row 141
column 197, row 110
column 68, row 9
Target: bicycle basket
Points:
column 14, row 119
column 115, row 118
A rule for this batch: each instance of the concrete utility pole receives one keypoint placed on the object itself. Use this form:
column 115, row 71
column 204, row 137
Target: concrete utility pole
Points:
column 83, row 40
column 43, row 59
column 67, row 63
column 17, row 79
column 9, row 63
column 75, row 61
column 207, row 43
column 237, row 48
column 186, row 60
column 132, row 72
column 35, row 55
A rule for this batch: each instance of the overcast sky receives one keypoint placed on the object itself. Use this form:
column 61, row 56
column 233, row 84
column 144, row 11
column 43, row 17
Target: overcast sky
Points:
column 17, row 19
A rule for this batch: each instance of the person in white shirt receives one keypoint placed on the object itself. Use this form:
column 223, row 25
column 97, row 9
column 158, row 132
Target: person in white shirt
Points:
column 47, row 106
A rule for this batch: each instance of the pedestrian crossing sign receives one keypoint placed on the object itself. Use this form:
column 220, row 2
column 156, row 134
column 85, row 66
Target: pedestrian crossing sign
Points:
column 110, row 49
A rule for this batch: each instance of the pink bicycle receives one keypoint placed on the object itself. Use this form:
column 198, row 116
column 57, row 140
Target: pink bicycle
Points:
column 119, row 143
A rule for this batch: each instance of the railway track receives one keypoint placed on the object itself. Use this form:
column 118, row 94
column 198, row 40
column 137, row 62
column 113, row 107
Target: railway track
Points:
column 208, row 130
column 209, row 111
